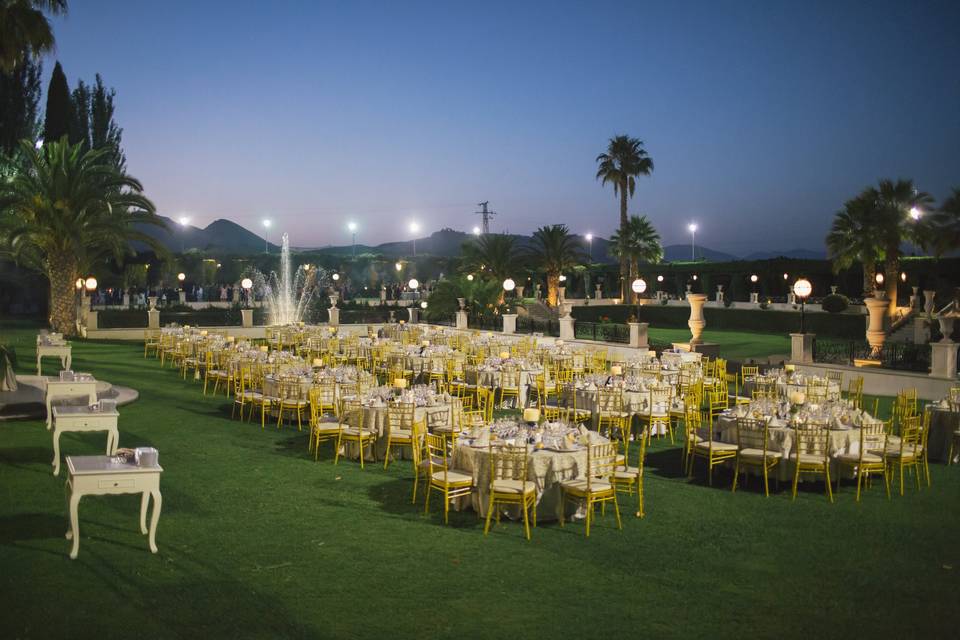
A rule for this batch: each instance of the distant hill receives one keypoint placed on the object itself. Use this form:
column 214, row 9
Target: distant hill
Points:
column 219, row 235
column 681, row 253
column 799, row 254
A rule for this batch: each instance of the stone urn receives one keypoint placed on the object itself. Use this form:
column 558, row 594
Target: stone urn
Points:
column 946, row 326
column 561, row 294
column 333, row 299
column 566, row 308
column 462, row 302
column 152, row 300
column 915, row 298
column 877, row 307
column 519, row 290
column 833, row 289
column 696, row 321
column 599, row 293
column 689, row 289
column 928, row 302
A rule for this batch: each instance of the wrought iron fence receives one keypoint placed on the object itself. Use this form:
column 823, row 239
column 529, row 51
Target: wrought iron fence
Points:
column 901, row 356
column 532, row 325
column 602, row 332
column 484, row 322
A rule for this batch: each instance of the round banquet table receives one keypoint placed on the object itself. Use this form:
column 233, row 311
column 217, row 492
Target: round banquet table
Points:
column 943, row 424
column 781, row 438
column 375, row 419
column 546, row 469
column 490, row 379
column 633, row 403
column 784, row 389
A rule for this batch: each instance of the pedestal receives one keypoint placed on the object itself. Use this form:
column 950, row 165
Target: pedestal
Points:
column 638, row 334
column 876, row 336
column 334, row 316
column 921, row 331
column 754, row 298
column 696, row 321
column 566, row 328
column 597, row 294
column 928, row 301
column 413, row 315
column 509, row 323
column 153, row 319
column 719, row 297
column 709, row 349
column 943, row 360
column 461, row 319
column 126, row 301
column 801, row 348
column 561, row 294
column 246, row 318
column 235, row 294
column 183, row 296
column 91, row 320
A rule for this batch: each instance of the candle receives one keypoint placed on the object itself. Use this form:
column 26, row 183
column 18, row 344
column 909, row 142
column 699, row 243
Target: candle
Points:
column 531, row 414
column 616, row 370
column 400, row 383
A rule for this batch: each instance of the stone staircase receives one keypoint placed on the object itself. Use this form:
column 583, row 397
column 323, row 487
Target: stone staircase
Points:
column 540, row 311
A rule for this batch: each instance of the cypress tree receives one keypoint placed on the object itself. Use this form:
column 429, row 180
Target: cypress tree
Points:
column 59, row 119
column 104, row 131
column 81, row 114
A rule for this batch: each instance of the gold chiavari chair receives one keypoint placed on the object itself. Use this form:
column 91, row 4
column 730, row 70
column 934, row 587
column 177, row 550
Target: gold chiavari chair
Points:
column 242, row 396
column 867, row 460
column 716, row 403
column 657, row 413
column 320, row 430
column 151, row 342
column 811, row 454
column 905, row 454
column 510, row 385
column 611, row 418
column 595, row 487
column 692, row 427
column 753, row 450
column 452, row 483
column 817, row 390
column 421, row 467
column 711, row 450
column 509, row 485
column 626, row 477
column 352, row 430
column 292, row 400
column 399, row 428
column 855, row 391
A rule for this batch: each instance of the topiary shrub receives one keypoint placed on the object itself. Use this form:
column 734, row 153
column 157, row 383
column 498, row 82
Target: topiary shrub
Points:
column 835, row 303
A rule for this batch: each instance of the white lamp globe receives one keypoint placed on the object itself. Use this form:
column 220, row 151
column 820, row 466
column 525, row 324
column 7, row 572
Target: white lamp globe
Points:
column 398, row 266
column 470, row 277
column 414, row 283
column 879, row 278
column 659, row 278
column 802, row 288
column 79, row 283
column 246, row 283
column 754, row 278
column 335, row 277
column 181, row 276
column 563, row 278
column 639, row 285
column 509, row 284
column 423, row 304
column 90, row 283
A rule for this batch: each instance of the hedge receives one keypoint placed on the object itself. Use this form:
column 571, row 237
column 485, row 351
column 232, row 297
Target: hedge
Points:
column 135, row 318
column 838, row 325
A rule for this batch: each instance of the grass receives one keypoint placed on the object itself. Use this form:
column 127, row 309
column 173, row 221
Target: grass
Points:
column 734, row 345
column 258, row 541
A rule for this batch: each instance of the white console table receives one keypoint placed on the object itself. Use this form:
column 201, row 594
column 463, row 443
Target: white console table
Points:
column 68, row 389
column 62, row 351
column 82, row 419
column 103, row 475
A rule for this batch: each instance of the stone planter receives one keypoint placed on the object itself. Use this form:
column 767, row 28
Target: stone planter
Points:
column 462, row 302
column 877, row 308
column 509, row 323
column 246, row 318
column 333, row 299
column 946, row 327
column 152, row 301
column 696, row 322
column 928, row 302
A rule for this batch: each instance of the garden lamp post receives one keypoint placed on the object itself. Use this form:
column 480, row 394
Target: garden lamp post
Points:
column 246, row 284
column 802, row 289
column 639, row 286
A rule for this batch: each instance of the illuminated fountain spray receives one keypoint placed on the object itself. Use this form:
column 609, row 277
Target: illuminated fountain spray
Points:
column 288, row 295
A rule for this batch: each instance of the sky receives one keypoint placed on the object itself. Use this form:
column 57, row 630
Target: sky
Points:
column 761, row 117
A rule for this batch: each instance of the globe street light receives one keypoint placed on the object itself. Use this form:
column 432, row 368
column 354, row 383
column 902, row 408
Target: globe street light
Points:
column 413, row 284
column 352, row 228
column 247, row 284
column 802, row 289
column 184, row 221
column 590, row 245
column 692, row 228
column 414, row 228
column 639, row 286
column 266, row 232
column 470, row 277
column 90, row 283
column 476, row 231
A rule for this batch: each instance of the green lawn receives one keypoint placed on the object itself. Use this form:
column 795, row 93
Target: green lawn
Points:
column 734, row 345
column 258, row 541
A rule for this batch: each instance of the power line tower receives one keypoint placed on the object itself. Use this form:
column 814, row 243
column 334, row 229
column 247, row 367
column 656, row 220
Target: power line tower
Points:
column 486, row 216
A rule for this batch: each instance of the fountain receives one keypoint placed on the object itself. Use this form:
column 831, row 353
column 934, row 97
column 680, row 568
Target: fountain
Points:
column 288, row 295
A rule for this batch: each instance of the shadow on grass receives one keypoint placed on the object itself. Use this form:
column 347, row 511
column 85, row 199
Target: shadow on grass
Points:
column 31, row 526
column 394, row 497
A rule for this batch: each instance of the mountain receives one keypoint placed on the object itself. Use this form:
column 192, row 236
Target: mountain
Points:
column 681, row 253
column 799, row 254
column 219, row 235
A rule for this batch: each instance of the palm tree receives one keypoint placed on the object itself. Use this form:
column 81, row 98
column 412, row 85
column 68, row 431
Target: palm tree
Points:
column 852, row 239
column 555, row 250
column 639, row 243
column 944, row 225
column 492, row 256
column 624, row 160
column 479, row 295
column 68, row 210
column 25, row 29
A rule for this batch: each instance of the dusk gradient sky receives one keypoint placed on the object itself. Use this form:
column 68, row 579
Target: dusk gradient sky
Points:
column 761, row 117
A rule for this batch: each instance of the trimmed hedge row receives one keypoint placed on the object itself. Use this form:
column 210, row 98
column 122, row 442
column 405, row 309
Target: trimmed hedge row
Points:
column 838, row 325
column 202, row 317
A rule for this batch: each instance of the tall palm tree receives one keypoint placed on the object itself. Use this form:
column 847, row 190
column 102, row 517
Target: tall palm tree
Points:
column 944, row 225
column 68, row 210
column 25, row 29
column 493, row 256
column 639, row 242
column 555, row 250
column 624, row 160
column 852, row 238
